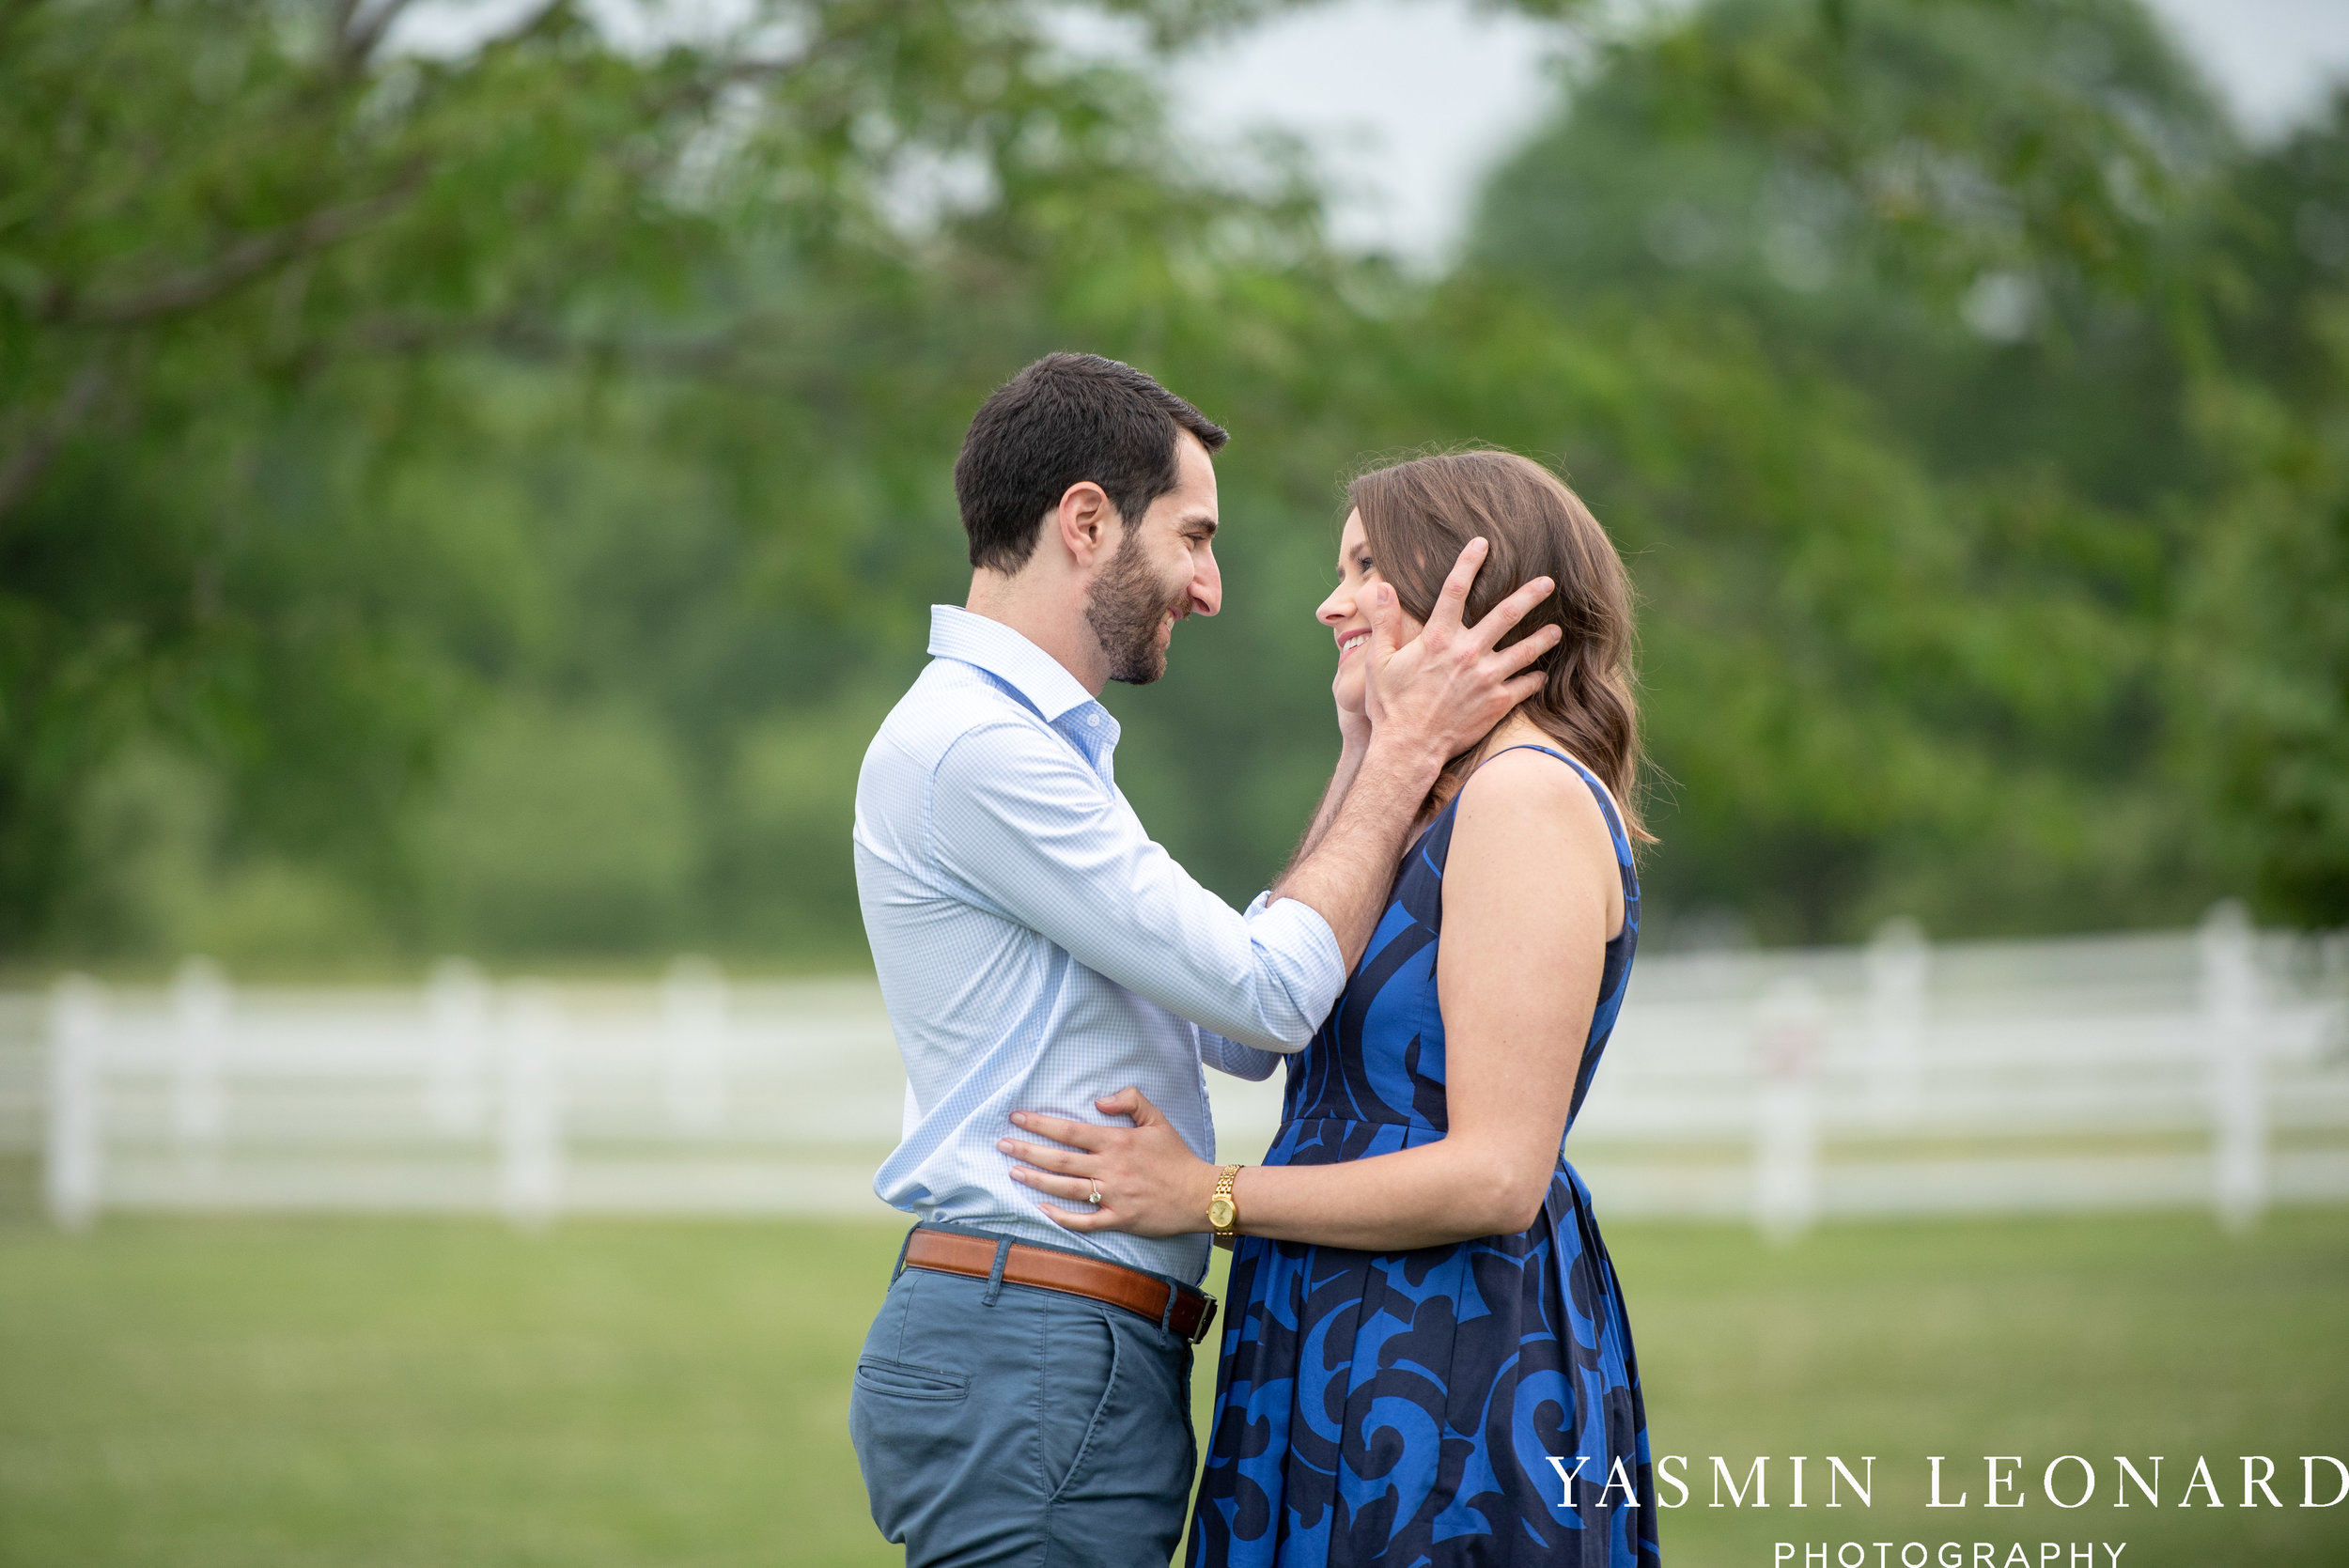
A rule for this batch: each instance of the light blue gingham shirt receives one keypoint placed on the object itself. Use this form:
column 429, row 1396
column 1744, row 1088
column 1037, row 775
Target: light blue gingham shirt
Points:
column 1038, row 951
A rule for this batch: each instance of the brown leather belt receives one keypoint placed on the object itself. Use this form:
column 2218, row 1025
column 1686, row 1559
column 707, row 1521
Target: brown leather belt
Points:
column 1144, row 1295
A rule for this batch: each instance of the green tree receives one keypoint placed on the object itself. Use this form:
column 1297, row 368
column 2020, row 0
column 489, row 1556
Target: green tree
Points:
column 2262, row 669
column 488, row 502
column 1900, row 309
column 275, row 304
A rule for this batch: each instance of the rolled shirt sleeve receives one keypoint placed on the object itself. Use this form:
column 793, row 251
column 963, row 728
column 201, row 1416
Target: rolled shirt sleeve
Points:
column 1233, row 1060
column 1229, row 1057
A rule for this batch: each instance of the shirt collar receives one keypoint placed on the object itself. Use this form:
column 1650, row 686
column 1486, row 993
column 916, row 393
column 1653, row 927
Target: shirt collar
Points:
column 992, row 647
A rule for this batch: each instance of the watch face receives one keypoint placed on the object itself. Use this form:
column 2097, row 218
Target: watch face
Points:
column 1220, row 1214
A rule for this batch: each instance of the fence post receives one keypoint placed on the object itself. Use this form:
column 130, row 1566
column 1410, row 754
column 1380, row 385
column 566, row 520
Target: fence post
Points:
column 693, row 1020
column 2230, row 1030
column 1788, row 1024
column 72, row 1168
column 1898, row 964
column 530, row 1132
column 456, row 1010
column 199, row 1011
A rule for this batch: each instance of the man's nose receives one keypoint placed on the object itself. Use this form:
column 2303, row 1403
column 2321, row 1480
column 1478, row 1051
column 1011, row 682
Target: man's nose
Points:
column 1206, row 588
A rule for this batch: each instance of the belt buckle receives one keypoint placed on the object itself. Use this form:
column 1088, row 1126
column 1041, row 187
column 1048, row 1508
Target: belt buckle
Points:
column 1207, row 1320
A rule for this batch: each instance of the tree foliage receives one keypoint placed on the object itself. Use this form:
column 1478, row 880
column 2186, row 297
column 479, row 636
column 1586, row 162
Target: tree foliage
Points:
column 2263, row 646
column 1936, row 261
column 486, row 501
column 301, row 338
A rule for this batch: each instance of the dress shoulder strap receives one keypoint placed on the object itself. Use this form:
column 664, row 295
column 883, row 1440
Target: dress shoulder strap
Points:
column 1606, row 800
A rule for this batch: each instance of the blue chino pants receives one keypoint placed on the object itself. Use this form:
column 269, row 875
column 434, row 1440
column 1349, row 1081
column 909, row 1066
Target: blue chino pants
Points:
column 1001, row 1423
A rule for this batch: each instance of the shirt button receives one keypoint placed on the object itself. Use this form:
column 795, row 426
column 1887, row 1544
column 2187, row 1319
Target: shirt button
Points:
column 1093, row 721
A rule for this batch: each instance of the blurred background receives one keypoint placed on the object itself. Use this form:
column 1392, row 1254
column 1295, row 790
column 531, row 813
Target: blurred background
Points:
column 473, row 475
column 474, row 479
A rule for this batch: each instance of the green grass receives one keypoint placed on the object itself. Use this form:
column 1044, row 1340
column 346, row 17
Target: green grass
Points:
column 2096, row 1338
column 249, row 1393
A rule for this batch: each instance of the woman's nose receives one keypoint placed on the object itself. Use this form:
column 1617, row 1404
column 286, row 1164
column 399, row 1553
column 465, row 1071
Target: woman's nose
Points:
column 1339, row 606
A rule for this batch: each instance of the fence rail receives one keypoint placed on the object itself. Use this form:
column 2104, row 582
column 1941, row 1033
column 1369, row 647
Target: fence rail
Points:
column 2206, row 1068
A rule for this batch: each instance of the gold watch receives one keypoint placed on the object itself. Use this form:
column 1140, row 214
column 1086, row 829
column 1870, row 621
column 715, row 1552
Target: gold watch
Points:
column 1222, row 1212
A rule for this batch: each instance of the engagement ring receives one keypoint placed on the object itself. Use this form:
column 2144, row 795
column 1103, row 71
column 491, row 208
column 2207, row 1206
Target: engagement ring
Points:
column 1095, row 1196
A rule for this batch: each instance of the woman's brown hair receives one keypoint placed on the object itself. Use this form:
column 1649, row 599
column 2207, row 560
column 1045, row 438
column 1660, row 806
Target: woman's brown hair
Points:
column 1420, row 514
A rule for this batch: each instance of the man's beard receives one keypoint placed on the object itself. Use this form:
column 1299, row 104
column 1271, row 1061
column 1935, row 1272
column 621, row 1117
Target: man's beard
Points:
column 1125, row 609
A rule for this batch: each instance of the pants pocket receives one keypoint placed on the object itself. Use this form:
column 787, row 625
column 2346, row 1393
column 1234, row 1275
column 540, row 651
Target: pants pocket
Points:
column 911, row 1427
column 904, row 1380
column 1079, row 1362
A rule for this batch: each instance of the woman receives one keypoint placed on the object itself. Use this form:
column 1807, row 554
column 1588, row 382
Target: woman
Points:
column 1426, row 1358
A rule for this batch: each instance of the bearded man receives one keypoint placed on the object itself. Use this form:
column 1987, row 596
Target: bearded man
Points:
column 1023, row 1395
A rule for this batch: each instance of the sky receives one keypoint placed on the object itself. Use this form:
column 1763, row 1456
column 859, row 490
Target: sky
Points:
column 1406, row 103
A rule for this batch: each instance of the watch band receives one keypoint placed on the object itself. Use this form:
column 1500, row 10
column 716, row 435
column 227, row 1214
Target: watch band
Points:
column 1224, row 1209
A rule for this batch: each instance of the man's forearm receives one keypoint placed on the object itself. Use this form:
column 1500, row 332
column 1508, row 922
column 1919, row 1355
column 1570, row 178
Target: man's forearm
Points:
column 1345, row 876
column 1332, row 798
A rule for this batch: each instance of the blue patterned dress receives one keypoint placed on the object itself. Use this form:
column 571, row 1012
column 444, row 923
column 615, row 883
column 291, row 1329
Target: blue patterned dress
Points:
column 1419, row 1407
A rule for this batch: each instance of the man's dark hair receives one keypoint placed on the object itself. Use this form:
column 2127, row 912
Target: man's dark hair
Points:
column 1066, row 419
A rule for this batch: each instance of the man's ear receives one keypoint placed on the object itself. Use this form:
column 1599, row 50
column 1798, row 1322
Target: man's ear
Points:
column 1087, row 522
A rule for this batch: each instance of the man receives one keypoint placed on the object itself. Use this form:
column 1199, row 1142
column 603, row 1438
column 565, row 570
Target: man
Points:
column 1024, row 1395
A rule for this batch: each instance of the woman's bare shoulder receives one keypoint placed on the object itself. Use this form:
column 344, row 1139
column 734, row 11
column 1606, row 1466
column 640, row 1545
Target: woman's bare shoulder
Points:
column 1522, row 782
column 1524, row 809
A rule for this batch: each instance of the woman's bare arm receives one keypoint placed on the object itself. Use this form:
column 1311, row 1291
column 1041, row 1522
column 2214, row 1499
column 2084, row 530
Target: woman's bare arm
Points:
column 1531, row 896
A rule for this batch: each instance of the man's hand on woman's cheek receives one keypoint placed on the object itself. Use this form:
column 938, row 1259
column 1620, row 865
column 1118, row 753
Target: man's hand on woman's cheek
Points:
column 1448, row 687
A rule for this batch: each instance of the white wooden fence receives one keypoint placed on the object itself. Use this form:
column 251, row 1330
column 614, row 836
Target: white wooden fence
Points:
column 2206, row 1068
column 2199, row 1069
